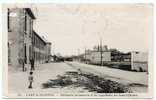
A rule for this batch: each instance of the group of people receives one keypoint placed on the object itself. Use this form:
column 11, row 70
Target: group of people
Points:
column 24, row 68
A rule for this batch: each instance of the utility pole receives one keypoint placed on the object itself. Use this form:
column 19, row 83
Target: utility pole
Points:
column 78, row 54
column 85, row 55
column 101, row 49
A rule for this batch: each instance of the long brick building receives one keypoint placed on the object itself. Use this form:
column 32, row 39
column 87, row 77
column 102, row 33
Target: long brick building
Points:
column 23, row 42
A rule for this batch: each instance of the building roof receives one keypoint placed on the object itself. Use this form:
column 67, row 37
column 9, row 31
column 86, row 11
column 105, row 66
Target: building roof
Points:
column 39, row 37
column 30, row 13
column 47, row 42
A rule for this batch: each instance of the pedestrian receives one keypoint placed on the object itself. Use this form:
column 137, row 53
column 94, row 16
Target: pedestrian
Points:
column 32, row 64
column 23, row 64
column 31, row 79
column 21, row 61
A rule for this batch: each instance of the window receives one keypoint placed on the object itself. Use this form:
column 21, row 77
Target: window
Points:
column 34, row 55
column 9, row 30
column 9, row 53
column 34, row 40
column 25, row 22
column 30, row 28
column 25, row 53
column 30, row 52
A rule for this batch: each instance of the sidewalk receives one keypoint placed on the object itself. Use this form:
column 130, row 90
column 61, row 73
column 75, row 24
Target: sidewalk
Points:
column 18, row 80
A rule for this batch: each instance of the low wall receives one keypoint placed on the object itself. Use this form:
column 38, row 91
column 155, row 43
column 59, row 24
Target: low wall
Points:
column 140, row 66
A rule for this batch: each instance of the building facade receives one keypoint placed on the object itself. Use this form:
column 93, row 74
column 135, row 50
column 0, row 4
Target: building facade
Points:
column 137, row 61
column 23, row 43
column 40, row 49
column 20, row 26
column 48, row 52
column 95, row 56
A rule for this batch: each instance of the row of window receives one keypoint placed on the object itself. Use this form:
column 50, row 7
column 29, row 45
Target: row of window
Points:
column 39, row 56
column 27, row 25
column 32, row 54
column 37, row 42
column 28, row 28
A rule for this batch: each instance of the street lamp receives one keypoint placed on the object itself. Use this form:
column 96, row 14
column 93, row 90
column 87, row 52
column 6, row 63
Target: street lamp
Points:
column 101, row 49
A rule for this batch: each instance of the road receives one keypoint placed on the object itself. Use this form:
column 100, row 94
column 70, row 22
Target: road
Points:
column 137, row 80
column 125, row 77
column 18, row 80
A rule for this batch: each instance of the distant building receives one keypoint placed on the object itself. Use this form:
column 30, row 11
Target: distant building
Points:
column 112, row 57
column 98, row 48
column 95, row 56
column 49, row 56
column 117, row 56
column 139, row 61
column 48, row 52
column 41, row 49
column 23, row 42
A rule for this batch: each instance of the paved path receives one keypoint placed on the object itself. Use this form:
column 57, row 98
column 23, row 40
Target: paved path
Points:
column 112, row 73
column 18, row 80
column 139, row 80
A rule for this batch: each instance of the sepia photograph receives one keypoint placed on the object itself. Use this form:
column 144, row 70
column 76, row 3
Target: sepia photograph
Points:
column 78, row 50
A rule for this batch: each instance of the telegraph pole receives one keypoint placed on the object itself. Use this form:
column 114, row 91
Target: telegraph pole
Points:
column 85, row 55
column 101, row 49
column 78, row 54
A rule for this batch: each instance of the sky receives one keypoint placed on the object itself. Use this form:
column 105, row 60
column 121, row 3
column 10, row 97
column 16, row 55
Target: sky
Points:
column 73, row 27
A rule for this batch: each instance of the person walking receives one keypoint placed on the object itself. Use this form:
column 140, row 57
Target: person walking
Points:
column 21, row 62
column 31, row 79
column 23, row 65
column 32, row 64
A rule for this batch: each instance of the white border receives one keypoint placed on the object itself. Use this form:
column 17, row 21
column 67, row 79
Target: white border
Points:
column 77, row 1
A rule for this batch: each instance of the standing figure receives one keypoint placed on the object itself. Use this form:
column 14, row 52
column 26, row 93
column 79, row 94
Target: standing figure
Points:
column 32, row 64
column 21, row 62
column 31, row 79
column 23, row 65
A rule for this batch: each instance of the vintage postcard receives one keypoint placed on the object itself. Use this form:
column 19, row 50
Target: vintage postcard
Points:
column 77, row 50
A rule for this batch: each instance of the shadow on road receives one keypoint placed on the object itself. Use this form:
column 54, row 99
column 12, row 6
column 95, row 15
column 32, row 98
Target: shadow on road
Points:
column 90, row 82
